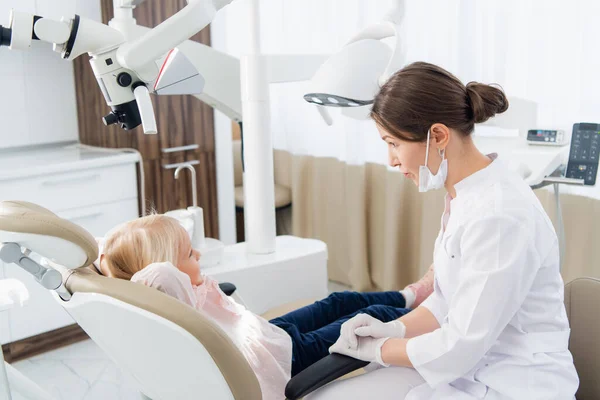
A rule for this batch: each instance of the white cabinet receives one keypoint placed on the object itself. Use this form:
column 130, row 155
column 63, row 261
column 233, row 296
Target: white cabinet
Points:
column 99, row 219
column 74, row 188
column 4, row 327
column 94, row 189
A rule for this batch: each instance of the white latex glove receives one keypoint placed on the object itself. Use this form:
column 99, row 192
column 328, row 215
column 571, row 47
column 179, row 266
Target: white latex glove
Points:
column 382, row 329
column 368, row 349
column 365, row 325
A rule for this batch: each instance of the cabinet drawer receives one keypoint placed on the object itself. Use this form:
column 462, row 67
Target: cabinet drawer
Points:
column 99, row 219
column 4, row 327
column 74, row 189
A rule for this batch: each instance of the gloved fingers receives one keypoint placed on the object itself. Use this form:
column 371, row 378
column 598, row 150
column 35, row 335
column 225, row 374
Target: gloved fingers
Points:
column 348, row 328
column 347, row 336
column 364, row 331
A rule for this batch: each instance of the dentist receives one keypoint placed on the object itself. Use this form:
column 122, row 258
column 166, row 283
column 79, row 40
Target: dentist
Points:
column 495, row 326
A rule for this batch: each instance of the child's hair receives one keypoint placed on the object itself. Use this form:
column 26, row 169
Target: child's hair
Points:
column 132, row 246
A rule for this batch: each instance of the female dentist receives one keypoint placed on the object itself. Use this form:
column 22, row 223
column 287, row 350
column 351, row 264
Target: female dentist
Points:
column 495, row 326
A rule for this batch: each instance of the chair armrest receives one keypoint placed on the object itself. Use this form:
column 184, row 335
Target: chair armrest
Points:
column 227, row 288
column 321, row 373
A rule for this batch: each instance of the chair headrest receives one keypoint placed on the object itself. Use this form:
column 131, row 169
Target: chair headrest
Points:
column 45, row 233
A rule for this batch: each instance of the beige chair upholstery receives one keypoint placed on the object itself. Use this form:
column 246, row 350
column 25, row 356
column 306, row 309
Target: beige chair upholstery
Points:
column 283, row 193
column 582, row 300
column 235, row 369
column 25, row 217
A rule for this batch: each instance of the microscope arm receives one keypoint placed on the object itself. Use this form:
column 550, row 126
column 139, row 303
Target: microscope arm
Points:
column 125, row 70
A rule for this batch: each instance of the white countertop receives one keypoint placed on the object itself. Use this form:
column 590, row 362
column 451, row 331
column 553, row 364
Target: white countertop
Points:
column 287, row 248
column 27, row 162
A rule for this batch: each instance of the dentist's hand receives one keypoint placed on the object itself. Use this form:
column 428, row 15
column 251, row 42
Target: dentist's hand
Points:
column 368, row 349
column 363, row 325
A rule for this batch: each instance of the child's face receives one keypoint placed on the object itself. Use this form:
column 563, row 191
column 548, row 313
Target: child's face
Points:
column 188, row 260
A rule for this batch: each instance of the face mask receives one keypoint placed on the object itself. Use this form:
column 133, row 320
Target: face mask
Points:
column 429, row 181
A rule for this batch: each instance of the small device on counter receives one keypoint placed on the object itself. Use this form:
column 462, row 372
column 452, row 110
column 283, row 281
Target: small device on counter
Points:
column 583, row 156
column 546, row 137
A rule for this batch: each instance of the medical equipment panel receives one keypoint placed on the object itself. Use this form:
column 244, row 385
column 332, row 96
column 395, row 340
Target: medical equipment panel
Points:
column 546, row 137
column 583, row 156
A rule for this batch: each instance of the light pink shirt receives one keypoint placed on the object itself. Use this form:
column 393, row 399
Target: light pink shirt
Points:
column 267, row 348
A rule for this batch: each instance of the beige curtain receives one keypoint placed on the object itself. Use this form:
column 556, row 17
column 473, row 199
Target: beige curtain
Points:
column 380, row 230
column 581, row 217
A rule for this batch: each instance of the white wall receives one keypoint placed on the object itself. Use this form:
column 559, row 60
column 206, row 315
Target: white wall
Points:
column 38, row 105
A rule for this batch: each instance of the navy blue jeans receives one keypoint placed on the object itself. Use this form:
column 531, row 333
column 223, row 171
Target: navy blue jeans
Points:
column 316, row 327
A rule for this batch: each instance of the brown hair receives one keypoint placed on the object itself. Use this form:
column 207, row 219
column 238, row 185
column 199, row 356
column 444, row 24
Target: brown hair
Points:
column 422, row 94
column 132, row 246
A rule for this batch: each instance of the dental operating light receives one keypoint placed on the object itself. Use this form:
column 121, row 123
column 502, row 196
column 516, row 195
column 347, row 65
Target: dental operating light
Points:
column 351, row 77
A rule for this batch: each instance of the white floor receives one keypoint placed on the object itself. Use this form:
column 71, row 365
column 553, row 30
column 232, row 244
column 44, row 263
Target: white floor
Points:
column 83, row 372
column 77, row 372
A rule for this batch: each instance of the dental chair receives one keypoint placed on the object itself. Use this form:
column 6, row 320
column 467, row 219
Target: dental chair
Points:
column 171, row 350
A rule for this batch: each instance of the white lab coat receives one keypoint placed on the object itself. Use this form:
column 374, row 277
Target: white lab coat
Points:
column 498, row 296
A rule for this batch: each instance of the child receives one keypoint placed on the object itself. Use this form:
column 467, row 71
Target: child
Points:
column 156, row 251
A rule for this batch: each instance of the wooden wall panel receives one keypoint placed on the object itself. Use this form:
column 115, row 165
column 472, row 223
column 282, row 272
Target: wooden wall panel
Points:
column 236, row 131
column 42, row 343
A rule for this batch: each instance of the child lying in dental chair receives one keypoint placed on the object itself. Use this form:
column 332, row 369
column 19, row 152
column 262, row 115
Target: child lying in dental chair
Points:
column 156, row 251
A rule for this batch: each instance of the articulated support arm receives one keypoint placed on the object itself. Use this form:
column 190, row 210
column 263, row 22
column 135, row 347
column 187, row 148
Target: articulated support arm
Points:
column 126, row 70
column 140, row 55
column 70, row 36
column 47, row 277
column 123, row 91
